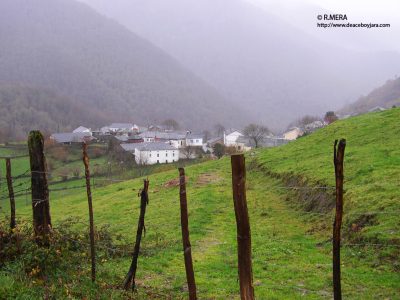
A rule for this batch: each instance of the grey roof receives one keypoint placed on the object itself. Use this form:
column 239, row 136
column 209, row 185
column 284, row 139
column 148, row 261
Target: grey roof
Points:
column 121, row 125
column 156, row 146
column 194, row 136
column 71, row 137
column 124, row 138
column 163, row 135
column 81, row 129
column 231, row 130
column 215, row 140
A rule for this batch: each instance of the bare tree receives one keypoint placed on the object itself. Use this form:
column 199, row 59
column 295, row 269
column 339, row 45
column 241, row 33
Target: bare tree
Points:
column 171, row 124
column 206, row 135
column 219, row 129
column 330, row 117
column 188, row 151
column 142, row 163
column 256, row 132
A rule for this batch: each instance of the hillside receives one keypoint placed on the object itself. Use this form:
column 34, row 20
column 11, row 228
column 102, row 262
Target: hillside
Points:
column 291, row 246
column 385, row 96
column 24, row 108
column 372, row 161
column 255, row 57
column 66, row 47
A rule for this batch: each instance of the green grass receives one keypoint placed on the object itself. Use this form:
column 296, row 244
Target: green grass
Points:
column 372, row 168
column 291, row 250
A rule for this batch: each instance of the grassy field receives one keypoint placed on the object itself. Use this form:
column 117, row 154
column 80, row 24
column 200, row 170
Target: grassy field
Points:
column 291, row 247
column 372, row 169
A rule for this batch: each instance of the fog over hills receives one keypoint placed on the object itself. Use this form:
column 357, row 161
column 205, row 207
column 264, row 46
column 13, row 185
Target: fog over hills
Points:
column 66, row 47
column 255, row 58
column 386, row 96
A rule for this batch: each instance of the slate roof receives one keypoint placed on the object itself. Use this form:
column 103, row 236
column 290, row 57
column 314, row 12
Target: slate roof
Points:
column 121, row 125
column 71, row 137
column 163, row 135
column 156, row 146
column 81, row 129
column 194, row 136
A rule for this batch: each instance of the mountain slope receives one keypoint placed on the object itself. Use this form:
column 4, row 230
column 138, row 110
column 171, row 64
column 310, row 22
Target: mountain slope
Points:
column 291, row 252
column 385, row 96
column 254, row 57
column 65, row 46
column 371, row 171
column 24, row 108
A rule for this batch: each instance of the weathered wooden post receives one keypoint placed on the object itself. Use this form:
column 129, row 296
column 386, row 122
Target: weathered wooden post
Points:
column 91, row 222
column 187, row 248
column 10, row 193
column 40, row 189
column 243, row 227
column 338, row 158
column 144, row 200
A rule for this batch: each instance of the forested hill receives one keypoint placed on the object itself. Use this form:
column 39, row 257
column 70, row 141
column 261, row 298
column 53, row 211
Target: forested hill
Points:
column 65, row 46
column 385, row 96
column 23, row 108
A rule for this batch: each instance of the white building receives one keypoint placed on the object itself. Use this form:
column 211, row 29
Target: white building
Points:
column 231, row 137
column 152, row 153
column 176, row 139
column 193, row 139
column 293, row 134
column 82, row 129
column 122, row 128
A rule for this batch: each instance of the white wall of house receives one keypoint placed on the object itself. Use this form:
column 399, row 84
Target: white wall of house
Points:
column 196, row 142
column 230, row 139
column 155, row 156
column 292, row 134
column 177, row 143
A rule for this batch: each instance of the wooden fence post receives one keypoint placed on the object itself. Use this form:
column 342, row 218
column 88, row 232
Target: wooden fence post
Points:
column 338, row 158
column 91, row 223
column 144, row 200
column 187, row 248
column 10, row 193
column 40, row 189
column 243, row 227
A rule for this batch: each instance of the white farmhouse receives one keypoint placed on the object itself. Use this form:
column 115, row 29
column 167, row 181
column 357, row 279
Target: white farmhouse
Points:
column 231, row 137
column 195, row 140
column 175, row 139
column 82, row 129
column 122, row 128
column 152, row 153
column 293, row 134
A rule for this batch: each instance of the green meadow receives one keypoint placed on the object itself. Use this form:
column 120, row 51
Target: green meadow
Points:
column 291, row 247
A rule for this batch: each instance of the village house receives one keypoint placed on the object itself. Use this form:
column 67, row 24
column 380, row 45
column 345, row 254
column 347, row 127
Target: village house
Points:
column 122, row 128
column 231, row 136
column 293, row 133
column 82, row 129
column 176, row 139
column 194, row 140
column 152, row 153
column 131, row 139
column 69, row 138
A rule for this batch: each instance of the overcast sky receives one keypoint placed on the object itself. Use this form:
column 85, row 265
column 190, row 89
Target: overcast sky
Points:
column 302, row 13
column 385, row 10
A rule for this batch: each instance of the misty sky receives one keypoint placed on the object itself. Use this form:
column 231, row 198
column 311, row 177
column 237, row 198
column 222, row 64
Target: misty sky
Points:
column 302, row 13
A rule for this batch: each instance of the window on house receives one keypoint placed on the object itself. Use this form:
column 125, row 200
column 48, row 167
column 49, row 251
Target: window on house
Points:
column 158, row 161
column 173, row 154
column 197, row 141
column 158, row 155
column 166, row 154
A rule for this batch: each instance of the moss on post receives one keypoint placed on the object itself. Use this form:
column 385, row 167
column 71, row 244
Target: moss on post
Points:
column 40, row 190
